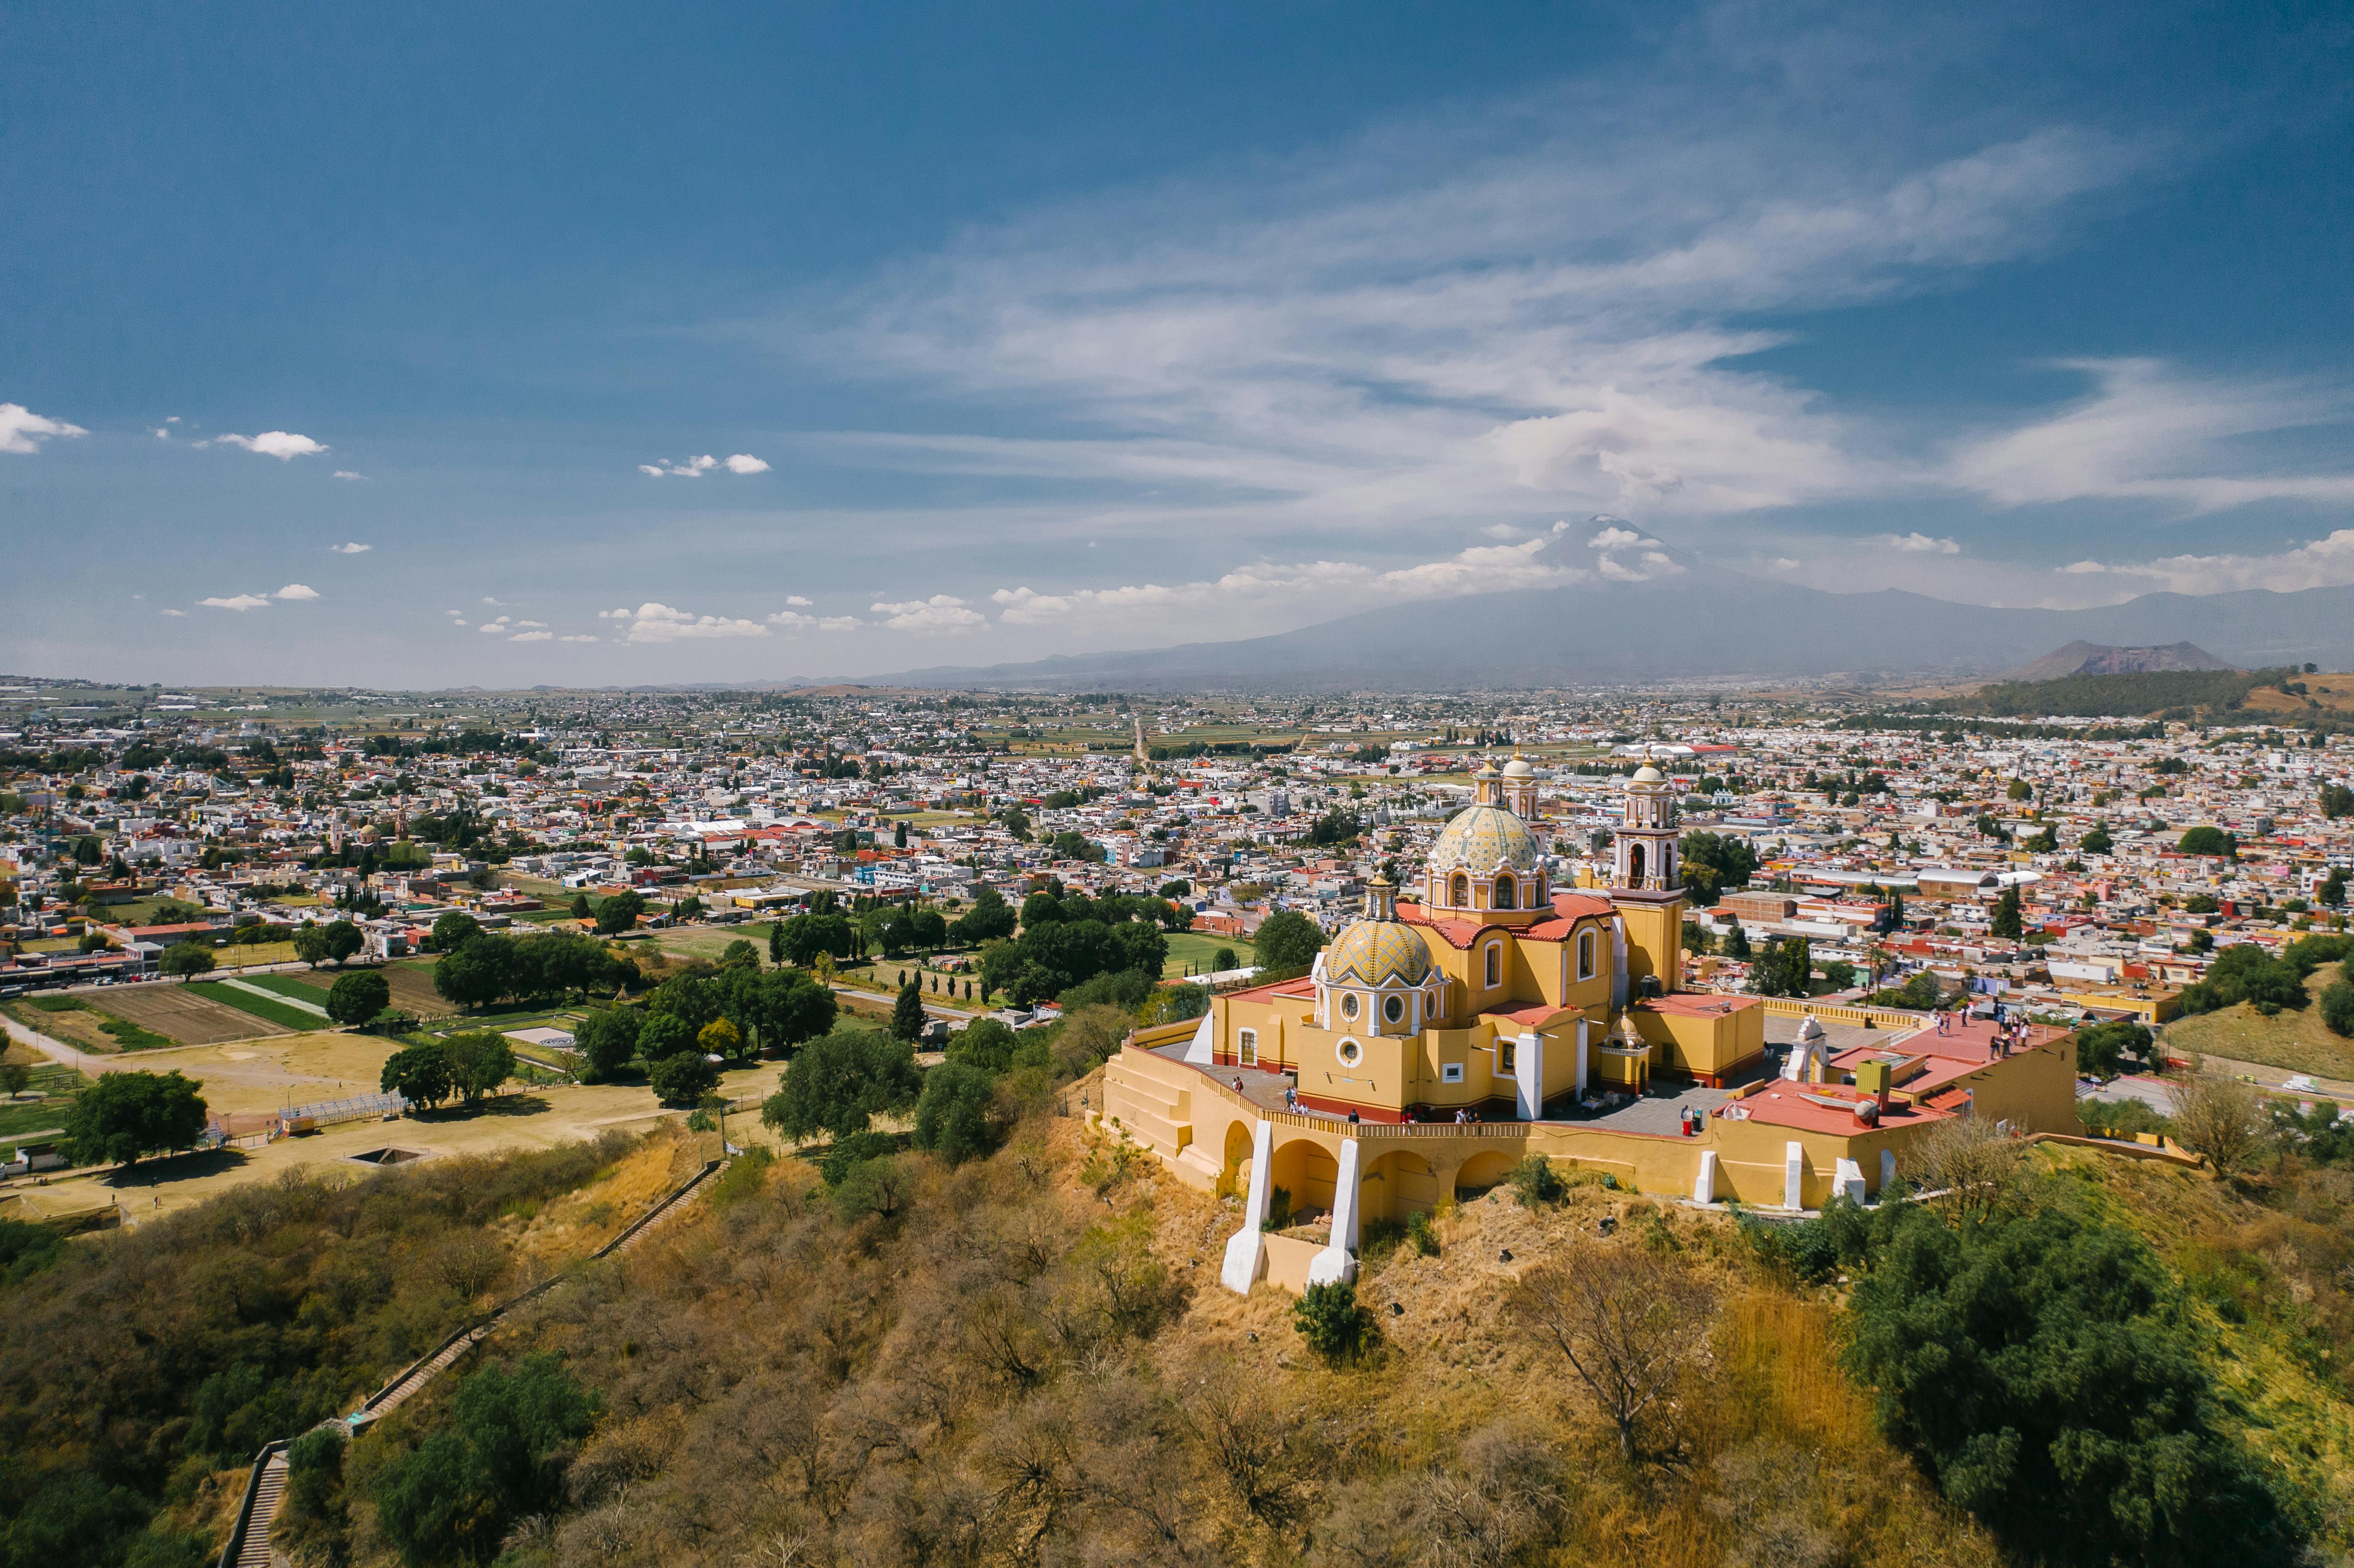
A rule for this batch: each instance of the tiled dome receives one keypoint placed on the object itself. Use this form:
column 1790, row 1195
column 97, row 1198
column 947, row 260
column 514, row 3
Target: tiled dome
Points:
column 1376, row 952
column 1484, row 840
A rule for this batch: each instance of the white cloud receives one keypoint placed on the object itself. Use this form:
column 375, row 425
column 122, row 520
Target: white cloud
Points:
column 1493, row 531
column 2325, row 562
column 794, row 622
column 493, row 603
column 693, row 467
column 942, row 613
column 2082, row 567
column 2147, row 432
column 1918, row 543
column 840, row 623
column 296, row 590
column 453, row 612
column 162, row 434
column 283, row 445
column 353, row 548
column 347, row 473
column 652, row 623
column 492, row 626
column 797, row 601
column 242, row 602
column 532, row 637
column 580, row 638
column 22, row 430
column 174, row 614
column 744, row 463
column 530, row 623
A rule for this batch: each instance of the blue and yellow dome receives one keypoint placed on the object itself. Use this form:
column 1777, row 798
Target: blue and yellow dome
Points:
column 1484, row 840
column 1377, row 952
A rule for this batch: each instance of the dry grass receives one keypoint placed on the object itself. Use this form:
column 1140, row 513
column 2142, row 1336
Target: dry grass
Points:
column 177, row 1011
column 2296, row 1040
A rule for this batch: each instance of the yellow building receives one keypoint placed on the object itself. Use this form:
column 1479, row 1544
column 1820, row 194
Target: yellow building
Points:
column 1438, row 1039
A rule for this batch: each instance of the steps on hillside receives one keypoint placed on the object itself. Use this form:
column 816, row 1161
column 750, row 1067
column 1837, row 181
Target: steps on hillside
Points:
column 267, row 1493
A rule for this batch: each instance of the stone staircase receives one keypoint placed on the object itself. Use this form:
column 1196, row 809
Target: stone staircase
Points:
column 269, row 1491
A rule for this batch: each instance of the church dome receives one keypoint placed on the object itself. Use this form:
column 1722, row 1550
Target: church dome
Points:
column 1647, row 774
column 1518, row 768
column 1376, row 952
column 1484, row 840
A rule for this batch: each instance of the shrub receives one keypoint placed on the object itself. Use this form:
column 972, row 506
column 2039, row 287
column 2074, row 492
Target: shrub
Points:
column 358, row 996
column 952, row 1116
column 1335, row 1327
column 683, row 1078
column 1535, row 1182
column 1421, row 1234
column 2337, row 1007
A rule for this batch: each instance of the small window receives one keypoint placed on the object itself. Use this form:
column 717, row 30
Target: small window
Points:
column 1508, row 895
column 1495, row 964
column 1506, row 1059
column 1349, row 1005
column 1246, row 1047
column 1351, row 1052
column 1450, row 1073
column 1394, row 1009
column 1460, row 895
column 1586, row 956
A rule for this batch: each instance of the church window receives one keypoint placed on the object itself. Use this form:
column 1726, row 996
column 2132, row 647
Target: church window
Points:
column 1507, row 895
column 1246, row 1047
column 1507, row 1062
column 1495, row 964
column 1349, row 1005
column 1351, row 1052
column 1451, row 1072
column 1634, row 865
column 1461, row 893
column 1394, row 1009
column 1586, row 956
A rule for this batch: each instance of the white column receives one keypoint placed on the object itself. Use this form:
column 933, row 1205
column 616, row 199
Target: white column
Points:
column 1793, row 1170
column 1334, row 1264
column 1704, row 1188
column 1581, row 1056
column 1848, row 1178
column 1247, row 1249
column 1198, row 1053
column 1528, row 1073
column 1887, row 1169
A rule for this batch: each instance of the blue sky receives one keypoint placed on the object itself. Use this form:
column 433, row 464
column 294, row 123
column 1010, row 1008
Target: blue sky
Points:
column 587, row 345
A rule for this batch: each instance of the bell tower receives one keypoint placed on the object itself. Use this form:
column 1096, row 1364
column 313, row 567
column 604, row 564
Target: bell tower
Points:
column 1644, row 847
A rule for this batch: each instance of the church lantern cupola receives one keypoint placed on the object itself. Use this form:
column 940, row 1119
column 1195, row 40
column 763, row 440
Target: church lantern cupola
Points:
column 1645, row 844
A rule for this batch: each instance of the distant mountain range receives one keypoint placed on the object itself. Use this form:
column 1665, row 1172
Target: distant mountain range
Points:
column 1702, row 622
column 2091, row 659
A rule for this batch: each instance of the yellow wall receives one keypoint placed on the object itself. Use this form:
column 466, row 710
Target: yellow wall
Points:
column 1710, row 1043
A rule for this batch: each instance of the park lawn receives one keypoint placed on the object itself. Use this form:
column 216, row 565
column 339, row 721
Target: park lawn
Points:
column 2296, row 1041
column 57, row 1085
column 1196, row 949
column 299, row 987
column 261, row 1007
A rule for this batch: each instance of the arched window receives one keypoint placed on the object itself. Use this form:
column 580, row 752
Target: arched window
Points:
column 1634, row 865
column 1495, row 964
column 1586, row 956
column 1507, row 895
column 1394, row 1009
column 1460, row 895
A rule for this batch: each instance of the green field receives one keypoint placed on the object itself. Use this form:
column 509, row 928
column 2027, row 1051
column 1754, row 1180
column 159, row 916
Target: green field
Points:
column 32, row 1010
column 299, row 987
column 57, row 1085
column 1189, row 949
column 2294, row 1039
column 259, row 1007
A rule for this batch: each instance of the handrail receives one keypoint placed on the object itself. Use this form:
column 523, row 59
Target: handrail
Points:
column 236, row 1546
column 1839, row 1012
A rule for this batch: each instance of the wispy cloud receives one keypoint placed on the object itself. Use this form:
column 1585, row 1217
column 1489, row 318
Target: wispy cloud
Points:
column 353, row 548
column 242, row 602
column 1919, row 543
column 23, row 431
column 283, row 445
column 652, row 623
column 696, row 466
column 940, row 614
column 347, row 473
column 2323, row 562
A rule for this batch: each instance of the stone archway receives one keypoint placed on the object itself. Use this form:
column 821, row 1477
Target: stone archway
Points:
column 1234, row 1167
column 1307, row 1171
column 1399, row 1185
column 1484, row 1169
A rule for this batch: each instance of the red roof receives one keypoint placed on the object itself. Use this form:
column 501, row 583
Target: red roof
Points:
column 1781, row 1104
column 1533, row 1012
column 1697, row 1004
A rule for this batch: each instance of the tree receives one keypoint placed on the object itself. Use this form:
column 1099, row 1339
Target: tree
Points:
column 1287, row 941
column 619, row 913
column 1335, row 1326
column 14, row 1075
column 720, row 1037
column 582, row 909
column 908, row 1019
column 1627, row 1320
column 421, row 1075
column 984, row 1043
column 2100, row 1048
column 1714, row 861
column 2096, row 840
column 476, row 973
column 2337, row 801
column 2332, row 890
column 664, row 1034
column 777, row 944
column 189, row 956
column 2337, row 1007
column 358, row 996
column 1736, row 941
column 953, row 1116
column 788, row 1007
column 1786, row 968
column 606, row 1040
column 2007, row 924
column 682, row 1079
column 124, row 1117
column 455, row 1496
column 452, row 931
column 838, row 1083
column 480, row 1060
column 2208, row 841
column 807, row 935
column 310, row 944
column 990, row 919
column 2220, row 1119
column 2046, row 1373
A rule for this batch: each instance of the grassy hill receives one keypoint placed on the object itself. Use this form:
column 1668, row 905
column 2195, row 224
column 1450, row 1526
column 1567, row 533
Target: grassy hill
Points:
column 2135, row 694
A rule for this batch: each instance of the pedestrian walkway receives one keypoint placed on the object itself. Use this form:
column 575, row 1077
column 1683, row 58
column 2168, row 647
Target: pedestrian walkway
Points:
column 279, row 997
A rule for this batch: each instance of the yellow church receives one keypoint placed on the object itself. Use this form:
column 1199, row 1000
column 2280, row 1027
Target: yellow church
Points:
column 1442, row 1037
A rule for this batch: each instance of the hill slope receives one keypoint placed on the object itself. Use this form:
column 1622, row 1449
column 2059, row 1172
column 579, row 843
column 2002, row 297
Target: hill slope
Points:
column 2091, row 659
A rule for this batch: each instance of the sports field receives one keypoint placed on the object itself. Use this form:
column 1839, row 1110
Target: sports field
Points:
column 186, row 1015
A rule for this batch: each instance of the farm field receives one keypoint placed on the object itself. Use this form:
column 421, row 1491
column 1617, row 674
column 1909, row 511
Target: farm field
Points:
column 296, row 987
column 183, row 1014
column 72, row 1017
column 261, row 1007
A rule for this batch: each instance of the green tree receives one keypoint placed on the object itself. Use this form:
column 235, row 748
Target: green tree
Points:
column 807, row 935
column 990, row 919
column 2337, row 1007
column 189, row 956
column 777, row 944
column 2007, row 924
column 620, row 911
column 2047, row 1374
column 2100, row 1048
column 2332, row 890
column 664, row 1034
column 480, row 1060
column 455, row 1496
column 1335, row 1327
column 985, row 1043
column 682, row 1078
column 720, row 1037
column 452, row 931
column 2337, row 801
column 476, row 973
column 1222, row 960
column 838, row 1083
column 1287, row 941
column 2209, row 841
column 358, row 996
column 908, row 1019
column 2096, row 840
column 124, row 1117
column 1736, row 941
column 310, row 944
column 953, row 1116
column 789, row 1006
column 1714, row 861
column 420, row 1074
column 606, row 1040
